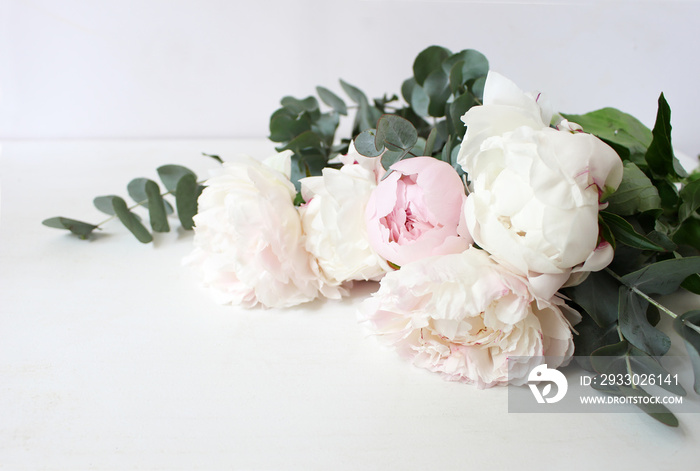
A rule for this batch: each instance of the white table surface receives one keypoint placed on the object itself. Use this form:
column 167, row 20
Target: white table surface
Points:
column 113, row 357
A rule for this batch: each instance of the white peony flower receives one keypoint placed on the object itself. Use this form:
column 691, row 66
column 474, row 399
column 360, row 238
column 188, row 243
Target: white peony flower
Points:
column 248, row 237
column 464, row 315
column 333, row 220
column 535, row 190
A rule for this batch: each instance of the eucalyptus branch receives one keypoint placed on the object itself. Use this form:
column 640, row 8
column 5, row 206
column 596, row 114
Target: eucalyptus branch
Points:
column 636, row 290
column 651, row 300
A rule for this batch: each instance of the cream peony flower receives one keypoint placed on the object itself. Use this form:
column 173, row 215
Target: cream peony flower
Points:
column 248, row 239
column 535, row 190
column 333, row 219
column 464, row 315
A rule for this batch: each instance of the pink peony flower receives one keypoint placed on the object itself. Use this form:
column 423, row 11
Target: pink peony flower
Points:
column 415, row 212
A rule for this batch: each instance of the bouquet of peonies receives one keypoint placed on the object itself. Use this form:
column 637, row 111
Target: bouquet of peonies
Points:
column 492, row 231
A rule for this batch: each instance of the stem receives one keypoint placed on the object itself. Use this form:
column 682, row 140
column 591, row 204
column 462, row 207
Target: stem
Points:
column 651, row 300
column 140, row 203
column 660, row 306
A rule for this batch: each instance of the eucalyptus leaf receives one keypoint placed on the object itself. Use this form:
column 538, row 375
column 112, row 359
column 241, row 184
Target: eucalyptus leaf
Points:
column 416, row 96
column 457, row 110
column 104, row 204
column 624, row 358
column 395, row 133
column 636, row 193
column 156, row 207
column 430, row 143
column 477, row 88
column 473, row 64
column 688, row 327
column 130, row 220
column 624, row 233
column 297, row 106
column 635, row 325
column 305, row 140
column 590, row 338
column 365, row 143
column 390, row 157
column 599, row 296
column 170, row 175
column 663, row 277
column 437, row 88
column 325, row 126
column 284, row 127
column 367, row 116
column 79, row 228
column 332, row 100
column 186, row 195
column 353, row 92
column 641, row 398
column 429, row 60
column 137, row 190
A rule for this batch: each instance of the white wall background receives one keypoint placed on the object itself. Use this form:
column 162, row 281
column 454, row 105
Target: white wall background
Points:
column 216, row 68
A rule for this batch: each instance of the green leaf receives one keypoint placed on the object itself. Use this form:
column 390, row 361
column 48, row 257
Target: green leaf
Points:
column 624, row 233
column 416, row 96
column 660, row 156
column 688, row 233
column 590, row 338
column 104, row 204
column 616, row 127
column 636, row 193
column 215, row 157
column 430, row 142
column 130, row 220
column 690, row 197
column 687, row 327
column 297, row 106
column 429, row 60
column 635, row 325
column 79, row 228
column 395, row 133
column 473, row 64
column 285, row 127
column 599, row 296
column 623, row 358
column 458, row 108
column 692, row 284
column 663, row 277
column 170, row 175
column 353, row 92
column 325, row 126
column 390, row 157
column 137, row 191
column 365, row 143
column 332, row 100
column 186, row 195
column 305, row 140
column 367, row 116
column 436, row 86
column 477, row 88
column 156, row 207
